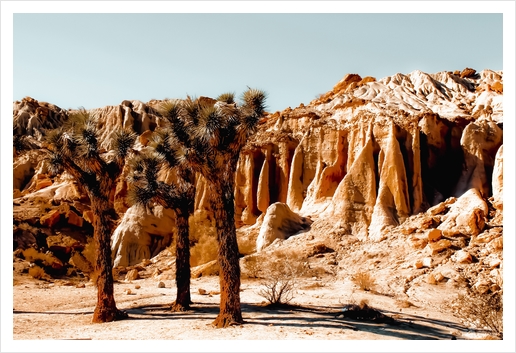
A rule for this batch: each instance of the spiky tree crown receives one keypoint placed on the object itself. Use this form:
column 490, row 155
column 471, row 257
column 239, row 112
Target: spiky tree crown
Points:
column 146, row 189
column 75, row 147
column 203, row 129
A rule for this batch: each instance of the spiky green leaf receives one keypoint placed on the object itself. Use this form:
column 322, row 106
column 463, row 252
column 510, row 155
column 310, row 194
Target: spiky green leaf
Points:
column 170, row 109
column 123, row 141
column 227, row 97
column 210, row 123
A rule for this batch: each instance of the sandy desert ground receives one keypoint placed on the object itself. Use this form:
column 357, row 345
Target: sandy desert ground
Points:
column 50, row 314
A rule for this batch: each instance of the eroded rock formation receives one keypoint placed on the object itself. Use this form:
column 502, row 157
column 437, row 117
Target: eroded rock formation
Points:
column 279, row 223
column 365, row 156
column 371, row 153
column 142, row 234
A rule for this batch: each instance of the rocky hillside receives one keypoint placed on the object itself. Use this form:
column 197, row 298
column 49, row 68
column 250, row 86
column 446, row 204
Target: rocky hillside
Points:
column 412, row 161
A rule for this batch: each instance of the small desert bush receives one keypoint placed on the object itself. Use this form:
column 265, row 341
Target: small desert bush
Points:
column 363, row 311
column 34, row 256
column 89, row 255
column 246, row 244
column 89, row 251
column 252, row 266
column 279, row 277
column 480, row 310
column 203, row 239
column 364, row 280
column 36, row 272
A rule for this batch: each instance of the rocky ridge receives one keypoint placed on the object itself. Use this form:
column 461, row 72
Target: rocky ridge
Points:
column 402, row 175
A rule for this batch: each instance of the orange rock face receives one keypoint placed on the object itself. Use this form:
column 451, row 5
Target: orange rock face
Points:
column 50, row 219
column 74, row 219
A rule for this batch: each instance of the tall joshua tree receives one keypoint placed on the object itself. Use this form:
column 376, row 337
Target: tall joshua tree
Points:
column 76, row 149
column 147, row 189
column 210, row 135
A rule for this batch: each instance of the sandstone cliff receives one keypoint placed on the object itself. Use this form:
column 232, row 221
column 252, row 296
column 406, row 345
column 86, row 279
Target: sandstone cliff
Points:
column 365, row 156
column 369, row 153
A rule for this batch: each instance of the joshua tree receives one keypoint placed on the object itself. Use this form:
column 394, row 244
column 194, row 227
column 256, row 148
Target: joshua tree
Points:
column 76, row 149
column 179, row 196
column 210, row 135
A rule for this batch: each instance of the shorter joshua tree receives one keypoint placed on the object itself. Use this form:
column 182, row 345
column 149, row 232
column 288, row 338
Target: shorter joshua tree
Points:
column 76, row 149
column 179, row 196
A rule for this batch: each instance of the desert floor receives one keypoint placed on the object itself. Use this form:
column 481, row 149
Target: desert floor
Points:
column 46, row 310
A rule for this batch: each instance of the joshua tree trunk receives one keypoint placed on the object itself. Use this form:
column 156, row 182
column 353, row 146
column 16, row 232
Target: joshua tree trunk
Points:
column 228, row 255
column 106, row 309
column 183, row 299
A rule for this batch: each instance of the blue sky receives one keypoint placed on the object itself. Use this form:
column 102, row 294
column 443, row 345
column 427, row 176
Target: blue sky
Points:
column 94, row 60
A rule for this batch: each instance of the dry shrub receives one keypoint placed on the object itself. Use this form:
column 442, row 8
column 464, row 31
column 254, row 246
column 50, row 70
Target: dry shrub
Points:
column 404, row 303
column 364, row 280
column 252, row 266
column 480, row 310
column 247, row 243
column 362, row 311
column 43, row 259
column 314, row 285
column 279, row 275
column 36, row 272
column 89, row 254
column 32, row 255
column 203, row 239
column 89, row 251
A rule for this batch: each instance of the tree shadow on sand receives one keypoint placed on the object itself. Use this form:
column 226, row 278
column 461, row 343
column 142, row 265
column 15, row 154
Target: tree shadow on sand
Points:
column 381, row 322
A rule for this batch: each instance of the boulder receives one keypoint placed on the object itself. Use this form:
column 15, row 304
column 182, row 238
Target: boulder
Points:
column 441, row 207
column 493, row 261
column 462, row 257
column 430, row 279
column 466, row 216
column 80, row 262
column 495, row 245
column 50, row 219
column 74, row 219
column 424, row 262
column 433, row 234
column 434, row 248
column 482, row 286
column 280, row 223
column 63, row 242
column 487, row 236
column 438, row 276
column 132, row 275
column 210, row 268
column 67, row 191
column 145, row 137
column 142, row 233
